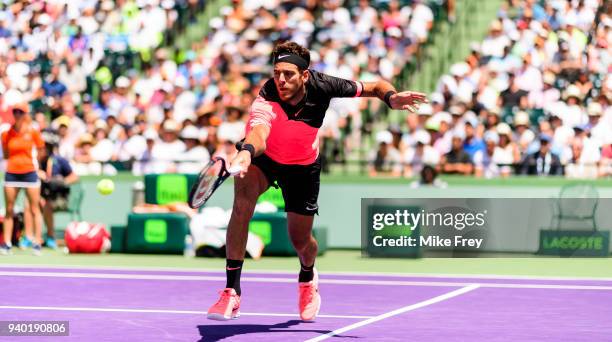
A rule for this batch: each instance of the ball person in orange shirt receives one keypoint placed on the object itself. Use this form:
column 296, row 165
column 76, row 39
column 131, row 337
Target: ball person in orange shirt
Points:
column 18, row 144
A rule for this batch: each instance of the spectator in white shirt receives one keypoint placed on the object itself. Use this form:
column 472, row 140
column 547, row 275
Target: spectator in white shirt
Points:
column 104, row 148
column 528, row 77
column 73, row 76
column 233, row 128
column 600, row 129
column 145, row 163
column 415, row 158
column 386, row 160
column 495, row 42
column 581, row 164
column 443, row 143
column 186, row 100
column 166, row 151
column 590, row 150
column 547, row 96
column 573, row 113
column 421, row 20
column 195, row 155
column 506, row 154
column 484, row 163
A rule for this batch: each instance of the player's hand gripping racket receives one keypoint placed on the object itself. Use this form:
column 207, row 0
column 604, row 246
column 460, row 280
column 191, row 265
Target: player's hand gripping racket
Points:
column 209, row 179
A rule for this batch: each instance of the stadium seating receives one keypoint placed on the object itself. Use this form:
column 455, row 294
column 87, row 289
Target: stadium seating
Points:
column 117, row 73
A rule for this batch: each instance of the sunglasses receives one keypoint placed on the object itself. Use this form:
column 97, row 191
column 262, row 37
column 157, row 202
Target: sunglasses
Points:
column 18, row 111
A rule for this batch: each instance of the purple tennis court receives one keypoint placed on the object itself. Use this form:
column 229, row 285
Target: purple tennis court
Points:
column 113, row 304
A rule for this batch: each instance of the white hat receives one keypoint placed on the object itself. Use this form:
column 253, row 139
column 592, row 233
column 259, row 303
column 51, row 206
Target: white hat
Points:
column 384, row 137
column 594, row 109
column 122, row 82
column 570, row 20
column 455, row 110
column 167, row 87
column 527, row 137
column 422, row 137
column 549, row 78
column 107, row 5
column 437, row 98
column 535, row 26
column 521, row 118
column 190, row 132
column 460, row 69
column 150, row 134
column 306, row 26
column 171, row 126
column 100, row 124
column 503, row 129
column 251, row 34
column 459, row 133
column 514, row 35
column 44, row 19
column 491, row 136
column 444, row 117
column 181, row 82
column 425, row 109
column 495, row 111
column 572, row 91
column 471, row 118
column 167, row 4
column 394, row 32
column 495, row 25
column 226, row 10
column 496, row 66
column 216, row 23
column 475, row 46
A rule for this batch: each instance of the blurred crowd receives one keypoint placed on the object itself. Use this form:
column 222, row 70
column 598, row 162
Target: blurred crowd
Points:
column 172, row 116
column 53, row 53
column 533, row 98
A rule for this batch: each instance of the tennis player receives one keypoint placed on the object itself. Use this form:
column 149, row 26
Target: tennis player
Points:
column 281, row 149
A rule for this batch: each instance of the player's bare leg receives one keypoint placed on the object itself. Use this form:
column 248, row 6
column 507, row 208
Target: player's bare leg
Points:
column 300, row 232
column 246, row 192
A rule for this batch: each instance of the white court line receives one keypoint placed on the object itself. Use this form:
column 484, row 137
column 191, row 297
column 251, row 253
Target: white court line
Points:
column 186, row 312
column 335, row 273
column 399, row 311
column 293, row 280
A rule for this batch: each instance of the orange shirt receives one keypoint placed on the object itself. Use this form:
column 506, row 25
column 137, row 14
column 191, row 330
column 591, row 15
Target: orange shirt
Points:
column 20, row 147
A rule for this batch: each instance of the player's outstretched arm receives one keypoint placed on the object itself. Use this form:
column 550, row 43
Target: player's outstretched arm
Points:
column 409, row 100
column 254, row 145
column 257, row 137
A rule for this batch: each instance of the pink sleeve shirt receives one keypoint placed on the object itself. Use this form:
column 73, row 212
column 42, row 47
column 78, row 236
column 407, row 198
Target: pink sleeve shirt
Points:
column 294, row 129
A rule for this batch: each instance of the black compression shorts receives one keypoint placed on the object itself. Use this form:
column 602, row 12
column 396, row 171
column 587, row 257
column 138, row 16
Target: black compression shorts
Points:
column 299, row 183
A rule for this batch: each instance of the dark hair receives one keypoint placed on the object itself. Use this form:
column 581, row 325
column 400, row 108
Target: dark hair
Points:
column 293, row 48
column 428, row 174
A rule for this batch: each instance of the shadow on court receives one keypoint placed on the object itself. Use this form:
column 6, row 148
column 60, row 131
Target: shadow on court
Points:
column 217, row 332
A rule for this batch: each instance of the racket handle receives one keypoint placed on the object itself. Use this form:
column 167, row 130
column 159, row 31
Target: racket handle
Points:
column 235, row 170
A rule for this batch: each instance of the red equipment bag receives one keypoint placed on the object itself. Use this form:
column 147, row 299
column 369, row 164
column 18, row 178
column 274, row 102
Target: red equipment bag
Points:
column 84, row 237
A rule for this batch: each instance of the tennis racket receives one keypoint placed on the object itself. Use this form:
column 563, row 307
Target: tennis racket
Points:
column 210, row 178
